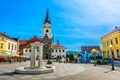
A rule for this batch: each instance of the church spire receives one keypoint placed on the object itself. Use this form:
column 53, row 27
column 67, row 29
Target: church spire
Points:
column 47, row 19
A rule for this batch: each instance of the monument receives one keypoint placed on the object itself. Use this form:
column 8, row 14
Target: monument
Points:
column 34, row 68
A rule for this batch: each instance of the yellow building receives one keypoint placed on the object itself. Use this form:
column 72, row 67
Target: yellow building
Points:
column 2, row 44
column 113, row 38
column 8, row 46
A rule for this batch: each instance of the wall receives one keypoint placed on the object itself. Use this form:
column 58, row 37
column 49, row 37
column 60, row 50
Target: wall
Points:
column 58, row 53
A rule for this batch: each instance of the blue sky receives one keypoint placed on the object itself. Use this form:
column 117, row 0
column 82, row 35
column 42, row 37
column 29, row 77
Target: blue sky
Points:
column 75, row 23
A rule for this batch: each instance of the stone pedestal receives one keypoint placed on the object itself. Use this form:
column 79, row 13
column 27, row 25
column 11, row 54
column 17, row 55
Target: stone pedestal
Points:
column 34, row 54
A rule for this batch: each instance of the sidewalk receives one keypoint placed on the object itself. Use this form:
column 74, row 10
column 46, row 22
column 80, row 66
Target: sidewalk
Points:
column 94, row 73
column 4, row 63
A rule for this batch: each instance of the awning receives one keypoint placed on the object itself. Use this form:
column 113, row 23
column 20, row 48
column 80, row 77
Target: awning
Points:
column 17, row 56
column 8, row 55
column 4, row 55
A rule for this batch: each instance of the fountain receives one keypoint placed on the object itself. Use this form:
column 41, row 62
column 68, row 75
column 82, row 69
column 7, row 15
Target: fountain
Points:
column 36, row 69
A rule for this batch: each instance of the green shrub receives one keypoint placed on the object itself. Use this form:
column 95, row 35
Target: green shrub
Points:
column 99, row 61
column 49, row 62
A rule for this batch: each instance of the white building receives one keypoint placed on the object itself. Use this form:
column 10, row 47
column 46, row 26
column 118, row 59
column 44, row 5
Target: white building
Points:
column 58, row 51
column 12, row 46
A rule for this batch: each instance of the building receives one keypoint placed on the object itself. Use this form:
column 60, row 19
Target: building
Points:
column 49, row 47
column 112, row 38
column 86, row 52
column 8, row 46
column 25, row 47
column 88, row 49
column 58, row 51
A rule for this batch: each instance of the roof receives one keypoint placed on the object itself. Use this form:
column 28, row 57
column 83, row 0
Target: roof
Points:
column 16, row 39
column 117, row 28
column 47, row 19
column 23, row 42
column 89, row 48
column 26, row 43
column 5, row 35
column 35, row 39
column 58, row 46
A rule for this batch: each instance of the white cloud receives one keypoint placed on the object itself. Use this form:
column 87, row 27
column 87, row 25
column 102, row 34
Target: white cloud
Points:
column 91, row 12
column 86, row 21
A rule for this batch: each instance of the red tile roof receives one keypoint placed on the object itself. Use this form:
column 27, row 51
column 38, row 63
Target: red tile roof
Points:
column 35, row 39
column 58, row 46
column 22, row 42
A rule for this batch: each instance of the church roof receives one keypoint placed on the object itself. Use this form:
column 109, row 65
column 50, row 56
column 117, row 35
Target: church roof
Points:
column 35, row 39
column 47, row 18
column 26, row 43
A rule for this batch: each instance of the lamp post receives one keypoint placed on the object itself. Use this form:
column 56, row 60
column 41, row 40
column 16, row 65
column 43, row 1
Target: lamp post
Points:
column 11, row 57
column 94, row 57
column 112, row 58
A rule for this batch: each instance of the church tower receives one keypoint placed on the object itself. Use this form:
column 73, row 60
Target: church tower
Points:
column 47, row 26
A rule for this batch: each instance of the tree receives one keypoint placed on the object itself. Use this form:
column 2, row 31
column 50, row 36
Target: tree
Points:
column 94, row 52
column 75, row 56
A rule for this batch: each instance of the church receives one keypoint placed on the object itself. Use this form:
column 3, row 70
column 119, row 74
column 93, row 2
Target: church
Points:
column 50, row 50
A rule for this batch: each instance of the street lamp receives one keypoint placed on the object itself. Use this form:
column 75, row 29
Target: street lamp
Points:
column 94, row 56
column 112, row 58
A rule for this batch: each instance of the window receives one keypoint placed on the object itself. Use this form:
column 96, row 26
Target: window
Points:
column 111, row 41
column 59, row 50
column 116, row 40
column 26, row 50
column 56, row 50
column 47, row 31
column 15, row 47
column 108, row 54
column 52, row 50
column 118, row 55
column 106, row 43
column 30, row 50
column 12, row 46
column 2, row 38
column 63, row 50
column 8, row 46
column 1, row 45
column 38, row 50
column 53, row 56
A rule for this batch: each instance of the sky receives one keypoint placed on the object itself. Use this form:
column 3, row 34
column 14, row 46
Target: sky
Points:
column 75, row 23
